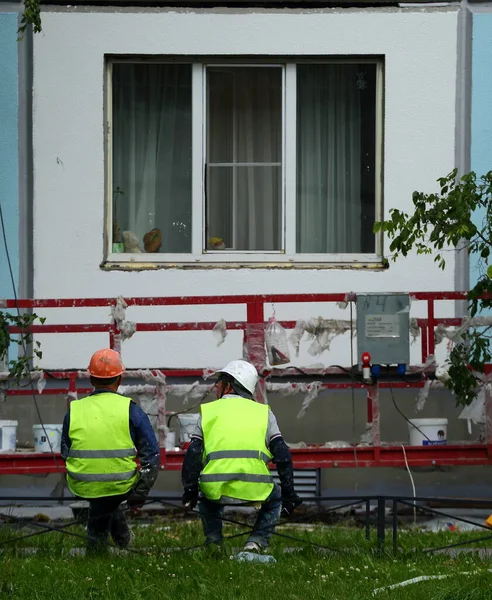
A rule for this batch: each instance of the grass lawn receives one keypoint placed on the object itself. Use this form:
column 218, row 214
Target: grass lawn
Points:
column 156, row 570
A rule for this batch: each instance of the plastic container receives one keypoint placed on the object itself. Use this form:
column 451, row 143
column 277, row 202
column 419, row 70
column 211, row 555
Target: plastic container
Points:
column 8, row 435
column 276, row 343
column 170, row 440
column 436, row 431
column 41, row 443
column 187, row 423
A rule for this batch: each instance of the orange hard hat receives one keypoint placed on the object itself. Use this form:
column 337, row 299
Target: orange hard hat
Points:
column 105, row 364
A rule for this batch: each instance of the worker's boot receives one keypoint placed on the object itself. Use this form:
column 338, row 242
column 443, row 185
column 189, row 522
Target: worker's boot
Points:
column 97, row 542
column 214, row 550
column 120, row 532
column 253, row 547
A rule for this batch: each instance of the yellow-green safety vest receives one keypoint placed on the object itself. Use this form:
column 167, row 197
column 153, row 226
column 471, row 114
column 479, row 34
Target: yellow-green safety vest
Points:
column 101, row 460
column 235, row 454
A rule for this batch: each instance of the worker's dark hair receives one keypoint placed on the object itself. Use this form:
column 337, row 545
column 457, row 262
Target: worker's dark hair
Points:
column 236, row 386
column 99, row 382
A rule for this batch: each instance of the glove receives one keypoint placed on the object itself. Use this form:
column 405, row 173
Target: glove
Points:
column 290, row 503
column 190, row 498
column 136, row 501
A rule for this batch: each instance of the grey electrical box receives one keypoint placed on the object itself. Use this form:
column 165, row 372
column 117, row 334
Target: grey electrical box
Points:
column 383, row 328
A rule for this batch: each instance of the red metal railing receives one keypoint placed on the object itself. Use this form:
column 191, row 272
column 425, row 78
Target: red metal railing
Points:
column 254, row 306
column 253, row 327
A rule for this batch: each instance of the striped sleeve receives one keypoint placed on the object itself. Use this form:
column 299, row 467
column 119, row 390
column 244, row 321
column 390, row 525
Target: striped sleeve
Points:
column 273, row 430
column 198, row 432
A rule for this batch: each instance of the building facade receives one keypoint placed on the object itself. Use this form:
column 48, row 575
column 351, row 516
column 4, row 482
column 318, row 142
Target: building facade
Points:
column 262, row 144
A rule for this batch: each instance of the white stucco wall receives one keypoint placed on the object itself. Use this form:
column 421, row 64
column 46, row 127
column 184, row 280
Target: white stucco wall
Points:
column 419, row 140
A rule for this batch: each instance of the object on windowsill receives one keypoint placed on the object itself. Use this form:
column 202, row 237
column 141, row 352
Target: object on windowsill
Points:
column 130, row 242
column 116, row 232
column 117, row 193
column 153, row 240
column 216, row 243
column 118, row 248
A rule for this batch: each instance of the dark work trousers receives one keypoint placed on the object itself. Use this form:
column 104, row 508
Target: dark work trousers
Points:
column 106, row 517
column 211, row 514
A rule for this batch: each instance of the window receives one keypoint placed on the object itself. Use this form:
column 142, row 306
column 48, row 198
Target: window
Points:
column 243, row 192
column 151, row 130
column 239, row 161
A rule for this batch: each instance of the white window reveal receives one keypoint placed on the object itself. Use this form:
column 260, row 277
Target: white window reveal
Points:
column 240, row 162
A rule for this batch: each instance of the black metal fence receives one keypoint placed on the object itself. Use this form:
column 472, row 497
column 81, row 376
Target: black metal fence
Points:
column 375, row 509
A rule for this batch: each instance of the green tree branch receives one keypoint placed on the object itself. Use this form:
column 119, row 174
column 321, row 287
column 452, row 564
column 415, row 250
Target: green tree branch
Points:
column 448, row 219
column 31, row 16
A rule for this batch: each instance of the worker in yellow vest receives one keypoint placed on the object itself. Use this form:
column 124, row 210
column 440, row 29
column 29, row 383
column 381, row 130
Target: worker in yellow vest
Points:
column 102, row 436
column 227, row 459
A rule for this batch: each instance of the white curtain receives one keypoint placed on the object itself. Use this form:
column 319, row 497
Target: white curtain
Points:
column 328, row 159
column 152, row 151
column 244, row 126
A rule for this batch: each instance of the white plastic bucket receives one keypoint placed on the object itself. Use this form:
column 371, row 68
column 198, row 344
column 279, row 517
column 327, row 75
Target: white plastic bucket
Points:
column 187, row 423
column 170, row 440
column 41, row 443
column 435, row 430
column 8, row 434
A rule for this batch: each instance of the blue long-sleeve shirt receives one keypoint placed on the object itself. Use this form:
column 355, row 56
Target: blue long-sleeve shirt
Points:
column 143, row 438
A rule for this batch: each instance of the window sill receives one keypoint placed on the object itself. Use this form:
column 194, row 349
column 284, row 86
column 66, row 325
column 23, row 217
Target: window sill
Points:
column 141, row 262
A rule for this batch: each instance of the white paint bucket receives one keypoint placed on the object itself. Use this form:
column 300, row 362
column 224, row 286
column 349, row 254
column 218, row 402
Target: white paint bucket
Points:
column 8, row 435
column 187, row 423
column 436, row 431
column 170, row 440
column 53, row 432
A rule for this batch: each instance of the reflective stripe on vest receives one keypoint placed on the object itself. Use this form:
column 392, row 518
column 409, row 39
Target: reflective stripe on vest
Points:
column 101, row 460
column 235, row 455
column 102, row 476
column 237, row 477
column 102, row 453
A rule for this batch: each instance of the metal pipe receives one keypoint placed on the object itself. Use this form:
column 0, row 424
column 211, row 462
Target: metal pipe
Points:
column 395, row 526
column 381, row 516
column 368, row 519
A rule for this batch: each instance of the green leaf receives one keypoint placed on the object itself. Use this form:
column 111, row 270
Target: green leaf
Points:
column 440, row 221
column 31, row 17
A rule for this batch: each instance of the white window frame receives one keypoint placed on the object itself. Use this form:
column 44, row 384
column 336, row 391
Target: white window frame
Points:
column 199, row 254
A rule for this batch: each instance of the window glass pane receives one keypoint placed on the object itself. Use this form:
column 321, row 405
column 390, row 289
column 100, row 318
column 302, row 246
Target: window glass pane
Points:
column 336, row 151
column 151, row 144
column 252, row 220
column 244, row 158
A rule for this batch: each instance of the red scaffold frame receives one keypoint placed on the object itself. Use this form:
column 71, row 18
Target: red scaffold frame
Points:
column 314, row 456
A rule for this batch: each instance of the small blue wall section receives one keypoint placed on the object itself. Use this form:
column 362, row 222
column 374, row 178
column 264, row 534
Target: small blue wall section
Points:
column 9, row 166
column 481, row 126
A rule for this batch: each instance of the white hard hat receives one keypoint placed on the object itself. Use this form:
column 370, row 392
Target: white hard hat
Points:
column 243, row 372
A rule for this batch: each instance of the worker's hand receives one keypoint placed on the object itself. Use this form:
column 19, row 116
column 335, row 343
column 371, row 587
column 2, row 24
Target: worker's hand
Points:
column 136, row 501
column 290, row 503
column 190, row 498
